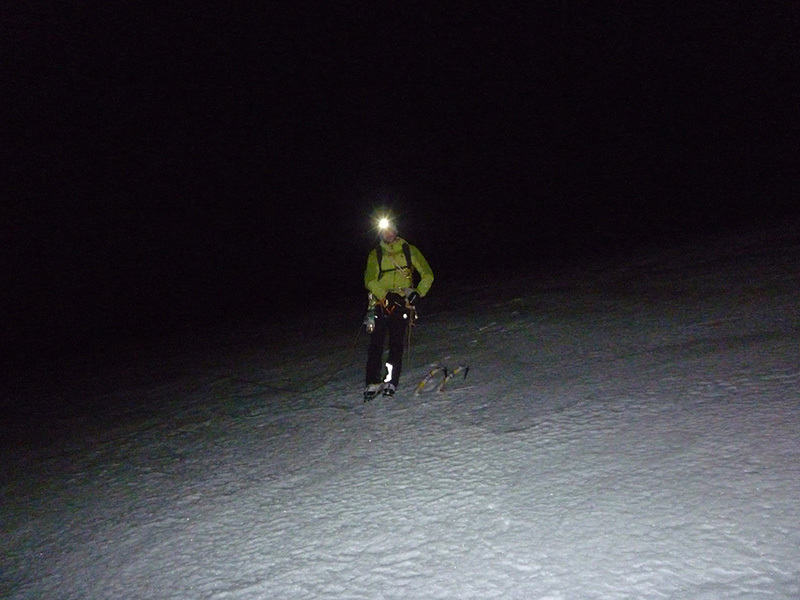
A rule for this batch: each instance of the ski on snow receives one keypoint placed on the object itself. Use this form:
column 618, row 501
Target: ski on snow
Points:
column 440, row 374
column 438, row 377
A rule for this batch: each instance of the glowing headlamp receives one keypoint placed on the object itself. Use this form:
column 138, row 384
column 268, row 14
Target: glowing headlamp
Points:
column 384, row 223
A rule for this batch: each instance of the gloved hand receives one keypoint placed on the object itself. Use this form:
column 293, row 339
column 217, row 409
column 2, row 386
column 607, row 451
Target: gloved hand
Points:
column 412, row 296
column 395, row 299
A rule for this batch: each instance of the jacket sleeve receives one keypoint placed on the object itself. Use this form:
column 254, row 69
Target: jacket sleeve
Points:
column 371, row 275
column 424, row 270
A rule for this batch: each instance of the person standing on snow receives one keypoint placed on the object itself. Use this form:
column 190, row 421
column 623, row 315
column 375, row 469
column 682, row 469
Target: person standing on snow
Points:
column 389, row 277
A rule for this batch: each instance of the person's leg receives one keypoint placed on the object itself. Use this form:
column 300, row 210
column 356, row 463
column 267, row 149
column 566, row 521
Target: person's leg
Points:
column 397, row 336
column 375, row 351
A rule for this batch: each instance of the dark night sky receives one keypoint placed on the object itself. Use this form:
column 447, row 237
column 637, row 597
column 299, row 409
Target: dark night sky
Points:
column 178, row 167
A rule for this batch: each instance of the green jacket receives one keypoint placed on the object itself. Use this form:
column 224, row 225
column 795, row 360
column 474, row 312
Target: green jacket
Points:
column 395, row 275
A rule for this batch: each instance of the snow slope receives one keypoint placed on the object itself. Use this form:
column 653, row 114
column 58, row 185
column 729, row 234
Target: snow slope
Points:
column 625, row 431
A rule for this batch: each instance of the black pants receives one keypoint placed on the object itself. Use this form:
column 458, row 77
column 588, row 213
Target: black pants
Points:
column 395, row 325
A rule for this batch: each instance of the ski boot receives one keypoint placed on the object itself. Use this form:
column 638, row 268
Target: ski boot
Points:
column 372, row 390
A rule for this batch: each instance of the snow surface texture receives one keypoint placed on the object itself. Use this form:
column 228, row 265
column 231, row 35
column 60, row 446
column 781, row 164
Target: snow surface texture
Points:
column 624, row 432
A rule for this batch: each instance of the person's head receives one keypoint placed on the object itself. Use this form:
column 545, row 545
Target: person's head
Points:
column 387, row 230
